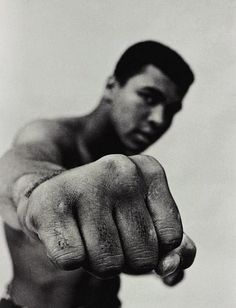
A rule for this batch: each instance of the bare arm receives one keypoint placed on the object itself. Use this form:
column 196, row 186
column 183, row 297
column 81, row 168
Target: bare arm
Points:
column 119, row 207
column 38, row 154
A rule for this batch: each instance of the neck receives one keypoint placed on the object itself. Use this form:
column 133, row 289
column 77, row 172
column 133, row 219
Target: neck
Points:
column 99, row 137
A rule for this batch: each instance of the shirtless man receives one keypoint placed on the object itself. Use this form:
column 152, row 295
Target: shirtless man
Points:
column 80, row 206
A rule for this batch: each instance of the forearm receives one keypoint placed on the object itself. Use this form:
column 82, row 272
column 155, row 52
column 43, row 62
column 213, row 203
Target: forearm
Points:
column 22, row 169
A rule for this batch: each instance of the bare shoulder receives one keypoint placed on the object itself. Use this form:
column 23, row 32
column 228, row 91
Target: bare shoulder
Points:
column 53, row 137
column 60, row 131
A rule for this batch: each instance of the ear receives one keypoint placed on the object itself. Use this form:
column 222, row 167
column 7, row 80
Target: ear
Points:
column 109, row 88
column 111, row 82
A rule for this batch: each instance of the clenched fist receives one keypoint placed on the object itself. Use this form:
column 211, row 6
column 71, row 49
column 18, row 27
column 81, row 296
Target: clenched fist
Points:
column 110, row 216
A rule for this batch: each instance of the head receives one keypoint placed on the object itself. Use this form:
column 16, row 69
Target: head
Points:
column 146, row 92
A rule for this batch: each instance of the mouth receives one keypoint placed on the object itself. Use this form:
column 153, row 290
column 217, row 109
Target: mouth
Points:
column 148, row 136
column 143, row 137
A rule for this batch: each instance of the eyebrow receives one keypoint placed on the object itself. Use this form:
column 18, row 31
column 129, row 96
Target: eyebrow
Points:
column 155, row 91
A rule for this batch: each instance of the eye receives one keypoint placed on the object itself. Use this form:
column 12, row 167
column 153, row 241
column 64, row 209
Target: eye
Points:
column 149, row 99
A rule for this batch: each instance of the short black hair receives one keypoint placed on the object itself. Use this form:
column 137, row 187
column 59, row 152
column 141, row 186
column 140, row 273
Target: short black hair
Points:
column 167, row 60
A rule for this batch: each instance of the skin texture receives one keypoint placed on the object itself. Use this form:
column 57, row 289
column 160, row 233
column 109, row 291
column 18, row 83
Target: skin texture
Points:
column 143, row 110
column 77, row 212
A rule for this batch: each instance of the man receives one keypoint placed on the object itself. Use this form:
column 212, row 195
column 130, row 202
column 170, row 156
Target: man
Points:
column 81, row 206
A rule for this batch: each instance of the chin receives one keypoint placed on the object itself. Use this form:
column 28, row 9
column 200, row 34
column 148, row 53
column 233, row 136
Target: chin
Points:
column 136, row 149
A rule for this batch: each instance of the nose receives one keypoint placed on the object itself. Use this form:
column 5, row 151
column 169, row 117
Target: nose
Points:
column 157, row 116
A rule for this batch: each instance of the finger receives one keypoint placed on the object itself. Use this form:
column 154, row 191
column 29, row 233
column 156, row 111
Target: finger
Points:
column 137, row 233
column 139, row 240
column 161, row 205
column 168, row 264
column 180, row 258
column 187, row 252
column 104, row 251
column 63, row 243
column 174, row 278
column 134, row 224
column 57, row 229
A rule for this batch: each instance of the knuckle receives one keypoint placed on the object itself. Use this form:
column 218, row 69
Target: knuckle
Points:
column 158, row 169
column 152, row 163
column 127, row 167
column 104, row 272
column 62, row 208
column 112, row 161
column 46, row 206
column 123, row 172
column 149, row 165
column 107, row 266
column 170, row 237
column 67, row 259
column 142, row 261
column 120, row 164
column 150, row 159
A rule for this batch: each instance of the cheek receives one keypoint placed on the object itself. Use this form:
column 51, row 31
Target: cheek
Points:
column 120, row 117
column 129, row 112
column 133, row 115
column 135, row 107
column 124, row 108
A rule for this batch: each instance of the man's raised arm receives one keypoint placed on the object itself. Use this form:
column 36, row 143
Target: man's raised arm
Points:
column 110, row 216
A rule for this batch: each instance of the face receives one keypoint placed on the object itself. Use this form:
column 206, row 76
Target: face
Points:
column 143, row 109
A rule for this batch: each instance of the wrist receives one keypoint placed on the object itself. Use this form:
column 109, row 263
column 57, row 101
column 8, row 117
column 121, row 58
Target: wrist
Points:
column 25, row 185
column 23, row 189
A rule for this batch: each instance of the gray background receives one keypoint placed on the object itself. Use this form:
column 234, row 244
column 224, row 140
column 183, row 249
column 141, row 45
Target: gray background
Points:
column 54, row 59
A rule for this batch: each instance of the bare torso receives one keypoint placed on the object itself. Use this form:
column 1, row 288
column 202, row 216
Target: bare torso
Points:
column 34, row 274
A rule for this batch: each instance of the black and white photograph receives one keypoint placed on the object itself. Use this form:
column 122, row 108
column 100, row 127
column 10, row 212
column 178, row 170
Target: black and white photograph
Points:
column 117, row 154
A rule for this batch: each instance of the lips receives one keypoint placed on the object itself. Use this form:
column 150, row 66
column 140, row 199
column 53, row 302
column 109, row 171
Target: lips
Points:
column 143, row 137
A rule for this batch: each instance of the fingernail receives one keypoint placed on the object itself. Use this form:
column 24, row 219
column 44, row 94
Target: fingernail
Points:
column 170, row 264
